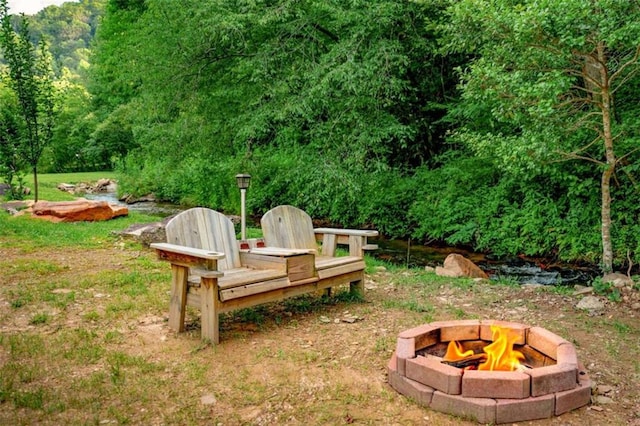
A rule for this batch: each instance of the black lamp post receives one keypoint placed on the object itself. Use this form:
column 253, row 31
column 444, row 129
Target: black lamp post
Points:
column 243, row 181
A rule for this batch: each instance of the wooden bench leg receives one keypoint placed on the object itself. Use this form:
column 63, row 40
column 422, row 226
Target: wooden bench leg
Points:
column 357, row 287
column 209, row 308
column 178, row 300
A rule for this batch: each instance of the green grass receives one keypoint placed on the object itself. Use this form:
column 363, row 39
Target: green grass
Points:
column 39, row 318
column 30, row 233
column 48, row 183
column 622, row 328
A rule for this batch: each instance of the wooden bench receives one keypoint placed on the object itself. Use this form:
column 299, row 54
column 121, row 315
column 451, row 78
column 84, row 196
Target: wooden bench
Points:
column 211, row 273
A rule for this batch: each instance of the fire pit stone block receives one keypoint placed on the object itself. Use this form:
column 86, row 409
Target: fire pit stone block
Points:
column 406, row 347
column 432, row 372
column 486, row 334
column 574, row 398
column 545, row 341
column 495, row 384
column 553, row 378
column 458, row 330
column 420, row 393
column 509, row 410
column 481, row 409
column 534, row 358
column 567, row 354
column 421, row 337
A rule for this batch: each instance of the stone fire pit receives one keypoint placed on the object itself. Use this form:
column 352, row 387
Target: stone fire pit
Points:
column 553, row 382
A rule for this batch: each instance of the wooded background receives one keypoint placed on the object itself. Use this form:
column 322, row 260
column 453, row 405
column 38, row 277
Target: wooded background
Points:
column 508, row 126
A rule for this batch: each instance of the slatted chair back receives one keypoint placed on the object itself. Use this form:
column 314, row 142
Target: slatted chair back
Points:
column 206, row 229
column 288, row 227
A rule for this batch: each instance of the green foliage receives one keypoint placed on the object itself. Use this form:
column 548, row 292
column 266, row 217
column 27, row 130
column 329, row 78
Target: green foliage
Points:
column 309, row 97
column 71, row 148
column 70, row 28
column 330, row 191
column 606, row 289
column 11, row 162
column 541, row 87
column 469, row 202
column 342, row 108
column 385, row 198
column 30, row 76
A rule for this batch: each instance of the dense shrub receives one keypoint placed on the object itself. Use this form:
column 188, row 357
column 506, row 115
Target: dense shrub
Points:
column 467, row 201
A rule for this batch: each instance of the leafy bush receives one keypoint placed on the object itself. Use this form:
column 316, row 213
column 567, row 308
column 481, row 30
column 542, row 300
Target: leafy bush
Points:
column 468, row 201
column 385, row 201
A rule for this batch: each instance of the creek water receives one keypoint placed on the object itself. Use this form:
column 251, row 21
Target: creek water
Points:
column 520, row 269
column 407, row 253
column 147, row 207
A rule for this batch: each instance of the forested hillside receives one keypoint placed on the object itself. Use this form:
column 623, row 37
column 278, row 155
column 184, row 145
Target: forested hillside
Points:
column 509, row 126
column 69, row 30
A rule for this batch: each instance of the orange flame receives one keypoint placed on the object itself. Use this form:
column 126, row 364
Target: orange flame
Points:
column 500, row 354
column 455, row 352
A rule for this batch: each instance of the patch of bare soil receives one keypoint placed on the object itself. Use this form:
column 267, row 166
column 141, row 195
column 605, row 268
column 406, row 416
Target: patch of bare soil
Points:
column 297, row 362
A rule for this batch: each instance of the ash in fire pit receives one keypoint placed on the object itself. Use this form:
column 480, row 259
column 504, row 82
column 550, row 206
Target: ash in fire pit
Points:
column 493, row 371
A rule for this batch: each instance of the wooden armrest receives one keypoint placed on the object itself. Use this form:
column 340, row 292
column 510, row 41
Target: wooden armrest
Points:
column 356, row 239
column 279, row 251
column 350, row 232
column 189, row 251
column 188, row 256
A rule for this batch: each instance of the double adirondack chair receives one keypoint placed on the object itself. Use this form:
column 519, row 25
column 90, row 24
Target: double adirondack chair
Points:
column 211, row 273
column 290, row 227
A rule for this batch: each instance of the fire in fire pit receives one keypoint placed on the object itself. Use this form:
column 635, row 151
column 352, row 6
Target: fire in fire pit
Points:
column 493, row 371
column 497, row 356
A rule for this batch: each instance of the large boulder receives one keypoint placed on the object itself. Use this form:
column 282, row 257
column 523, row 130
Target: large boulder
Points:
column 456, row 265
column 148, row 233
column 78, row 210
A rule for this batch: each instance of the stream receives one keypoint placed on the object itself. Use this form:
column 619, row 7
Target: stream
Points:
column 522, row 270
column 404, row 252
column 153, row 208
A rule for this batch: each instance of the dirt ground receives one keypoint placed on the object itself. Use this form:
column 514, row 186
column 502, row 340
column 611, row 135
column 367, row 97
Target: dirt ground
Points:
column 289, row 363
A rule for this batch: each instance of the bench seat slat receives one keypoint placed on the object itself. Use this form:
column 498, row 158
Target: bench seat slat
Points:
column 229, row 293
column 242, row 276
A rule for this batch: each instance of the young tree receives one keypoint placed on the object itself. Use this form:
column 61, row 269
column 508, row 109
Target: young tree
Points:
column 546, row 82
column 11, row 162
column 31, row 78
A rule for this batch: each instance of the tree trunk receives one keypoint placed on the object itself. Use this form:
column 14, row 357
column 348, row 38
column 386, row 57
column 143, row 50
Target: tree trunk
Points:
column 610, row 158
column 35, row 184
column 607, row 247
